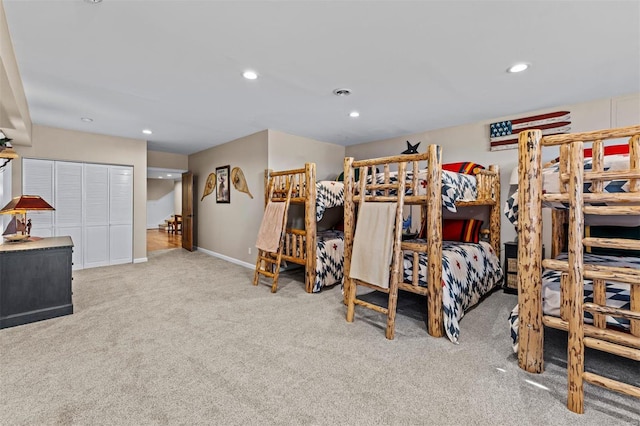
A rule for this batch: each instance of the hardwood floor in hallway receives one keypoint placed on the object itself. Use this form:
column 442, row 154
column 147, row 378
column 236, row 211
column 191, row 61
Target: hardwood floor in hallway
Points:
column 158, row 239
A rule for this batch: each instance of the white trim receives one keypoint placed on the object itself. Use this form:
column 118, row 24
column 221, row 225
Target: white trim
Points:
column 227, row 258
column 140, row 260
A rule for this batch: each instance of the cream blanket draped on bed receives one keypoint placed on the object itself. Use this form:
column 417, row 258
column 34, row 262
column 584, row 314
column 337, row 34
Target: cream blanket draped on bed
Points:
column 271, row 227
column 373, row 243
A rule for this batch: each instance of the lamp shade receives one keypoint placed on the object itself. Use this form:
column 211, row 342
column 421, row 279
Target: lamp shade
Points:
column 25, row 203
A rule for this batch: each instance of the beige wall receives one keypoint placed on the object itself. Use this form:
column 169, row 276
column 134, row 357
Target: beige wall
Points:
column 68, row 145
column 177, row 196
column 471, row 142
column 158, row 188
column 167, row 160
column 231, row 229
column 292, row 152
column 15, row 120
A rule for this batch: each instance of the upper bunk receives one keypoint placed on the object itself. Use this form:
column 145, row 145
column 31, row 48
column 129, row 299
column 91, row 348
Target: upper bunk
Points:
column 316, row 196
column 428, row 183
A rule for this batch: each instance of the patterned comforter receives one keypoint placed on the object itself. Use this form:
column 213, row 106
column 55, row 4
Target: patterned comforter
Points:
column 551, row 185
column 455, row 186
column 469, row 271
column 329, row 259
column 328, row 194
column 617, row 293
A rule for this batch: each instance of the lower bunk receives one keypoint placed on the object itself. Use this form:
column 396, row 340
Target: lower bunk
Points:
column 617, row 295
column 327, row 268
column 469, row 272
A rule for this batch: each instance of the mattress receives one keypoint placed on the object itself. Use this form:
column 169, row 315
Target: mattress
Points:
column 329, row 259
column 469, row 271
column 617, row 293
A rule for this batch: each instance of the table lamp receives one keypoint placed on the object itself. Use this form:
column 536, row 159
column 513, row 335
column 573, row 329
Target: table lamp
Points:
column 20, row 229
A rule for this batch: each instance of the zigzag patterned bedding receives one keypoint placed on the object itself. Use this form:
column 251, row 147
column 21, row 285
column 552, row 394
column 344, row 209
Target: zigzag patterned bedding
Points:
column 617, row 293
column 329, row 259
column 469, row 271
column 551, row 185
column 455, row 186
column 328, row 194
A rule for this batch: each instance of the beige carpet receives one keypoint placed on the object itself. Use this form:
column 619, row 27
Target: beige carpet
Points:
column 186, row 339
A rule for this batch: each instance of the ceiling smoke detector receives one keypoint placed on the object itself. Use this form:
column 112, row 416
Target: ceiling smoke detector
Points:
column 342, row 92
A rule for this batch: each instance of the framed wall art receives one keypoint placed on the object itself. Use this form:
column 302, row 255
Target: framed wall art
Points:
column 223, row 191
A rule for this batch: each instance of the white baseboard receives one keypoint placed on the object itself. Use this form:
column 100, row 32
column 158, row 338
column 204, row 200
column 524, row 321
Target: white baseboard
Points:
column 140, row 260
column 227, row 258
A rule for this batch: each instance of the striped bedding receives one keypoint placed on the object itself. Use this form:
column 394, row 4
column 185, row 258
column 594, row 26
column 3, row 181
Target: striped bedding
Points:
column 617, row 293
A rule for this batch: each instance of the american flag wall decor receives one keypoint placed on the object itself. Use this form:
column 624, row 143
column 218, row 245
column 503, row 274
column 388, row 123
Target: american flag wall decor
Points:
column 504, row 134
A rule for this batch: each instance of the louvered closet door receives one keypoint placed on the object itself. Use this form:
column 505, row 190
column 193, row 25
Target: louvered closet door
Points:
column 37, row 179
column 68, row 204
column 96, row 215
column 120, row 214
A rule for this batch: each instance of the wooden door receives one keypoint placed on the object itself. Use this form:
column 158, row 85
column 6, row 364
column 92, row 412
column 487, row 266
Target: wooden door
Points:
column 187, row 211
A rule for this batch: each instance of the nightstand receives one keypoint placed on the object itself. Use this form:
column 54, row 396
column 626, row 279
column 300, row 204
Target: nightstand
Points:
column 511, row 267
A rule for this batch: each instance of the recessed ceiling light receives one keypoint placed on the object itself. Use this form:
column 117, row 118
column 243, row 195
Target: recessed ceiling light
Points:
column 86, row 119
column 250, row 75
column 159, row 177
column 93, row 1
column 342, row 92
column 168, row 174
column 354, row 114
column 147, row 132
column 518, row 67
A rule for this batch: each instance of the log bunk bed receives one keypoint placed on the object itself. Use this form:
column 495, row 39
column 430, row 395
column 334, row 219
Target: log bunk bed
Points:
column 320, row 252
column 599, row 188
column 417, row 265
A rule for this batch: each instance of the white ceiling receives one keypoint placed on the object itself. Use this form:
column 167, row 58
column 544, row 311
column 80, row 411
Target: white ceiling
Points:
column 175, row 66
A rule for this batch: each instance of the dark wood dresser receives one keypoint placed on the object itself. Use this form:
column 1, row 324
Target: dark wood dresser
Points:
column 35, row 280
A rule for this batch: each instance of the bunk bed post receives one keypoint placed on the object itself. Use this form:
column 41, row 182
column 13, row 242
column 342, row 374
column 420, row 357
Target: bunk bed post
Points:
column 530, row 329
column 397, row 258
column 494, row 221
column 349, row 226
column 267, row 189
column 575, row 346
column 434, row 242
column 310, row 225
column 634, row 186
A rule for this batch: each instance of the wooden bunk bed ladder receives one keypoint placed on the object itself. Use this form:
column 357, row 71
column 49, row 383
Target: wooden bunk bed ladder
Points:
column 394, row 192
column 268, row 263
column 370, row 192
column 577, row 340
